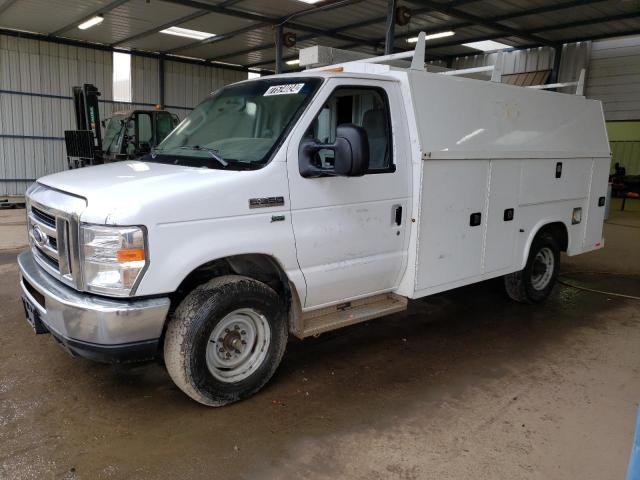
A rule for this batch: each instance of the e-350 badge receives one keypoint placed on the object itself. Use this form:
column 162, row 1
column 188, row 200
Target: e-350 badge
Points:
column 266, row 202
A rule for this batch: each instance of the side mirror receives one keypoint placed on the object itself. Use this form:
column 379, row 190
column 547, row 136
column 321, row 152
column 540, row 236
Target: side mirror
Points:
column 351, row 154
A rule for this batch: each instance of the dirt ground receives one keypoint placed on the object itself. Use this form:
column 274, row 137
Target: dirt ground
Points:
column 464, row 385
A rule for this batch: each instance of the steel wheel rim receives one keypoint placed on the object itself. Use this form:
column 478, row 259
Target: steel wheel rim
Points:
column 238, row 345
column 544, row 261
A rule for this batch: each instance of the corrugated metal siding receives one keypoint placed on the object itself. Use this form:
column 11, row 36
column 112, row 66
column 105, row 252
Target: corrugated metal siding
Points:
column 626, row 154
column 518, row 61
column 613, row 77
column 36, row 67
column 187, row 85
column 45, row 68
column 145, row 80
column 575, row 56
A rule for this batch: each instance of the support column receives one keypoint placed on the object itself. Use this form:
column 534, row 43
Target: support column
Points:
column 279, row 31
column 557, row 58
column 161, row 80
column 391, row 27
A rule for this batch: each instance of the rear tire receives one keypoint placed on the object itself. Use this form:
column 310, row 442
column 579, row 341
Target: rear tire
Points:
column 535, row 282
column 225, row 340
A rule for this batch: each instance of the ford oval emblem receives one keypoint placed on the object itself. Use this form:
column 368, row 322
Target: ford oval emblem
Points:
column 39, row 236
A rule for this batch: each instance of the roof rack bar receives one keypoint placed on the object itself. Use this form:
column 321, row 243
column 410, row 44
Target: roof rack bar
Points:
column 415, row 56
column 464, row 71
column 386, row 58
column 579, row 84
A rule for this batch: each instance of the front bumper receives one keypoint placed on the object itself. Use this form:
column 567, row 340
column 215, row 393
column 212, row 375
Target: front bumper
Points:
column 102, row 329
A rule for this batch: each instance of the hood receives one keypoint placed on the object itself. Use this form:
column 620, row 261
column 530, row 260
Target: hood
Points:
column 117, row 192
column 129, row 175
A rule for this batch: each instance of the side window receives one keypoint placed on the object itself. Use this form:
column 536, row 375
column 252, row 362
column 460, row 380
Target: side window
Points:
column 365, row 107
column 164, row 125
column 145, row 130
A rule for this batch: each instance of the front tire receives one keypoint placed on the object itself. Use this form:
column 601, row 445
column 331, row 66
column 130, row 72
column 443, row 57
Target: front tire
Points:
column 225, row 340
column 535, row 282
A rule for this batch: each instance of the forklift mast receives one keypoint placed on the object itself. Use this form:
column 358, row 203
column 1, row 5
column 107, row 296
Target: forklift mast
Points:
column 85, row 102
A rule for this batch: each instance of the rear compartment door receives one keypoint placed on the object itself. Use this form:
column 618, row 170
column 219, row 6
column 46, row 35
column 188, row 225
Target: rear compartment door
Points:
column 502, row 215
column 596, row 208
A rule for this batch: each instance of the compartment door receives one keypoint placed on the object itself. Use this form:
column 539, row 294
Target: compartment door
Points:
column 502, row 216
column 451, row 235
column 595, row 213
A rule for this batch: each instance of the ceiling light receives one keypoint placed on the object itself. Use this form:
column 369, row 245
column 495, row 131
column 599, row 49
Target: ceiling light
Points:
column 187, row 33
column 487, row 45
column 92, row 22
column 309, row 1
column 433, row 36
column 293, row 62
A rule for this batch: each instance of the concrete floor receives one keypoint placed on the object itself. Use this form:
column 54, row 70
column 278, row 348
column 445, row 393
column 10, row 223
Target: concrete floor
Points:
column 464, row 385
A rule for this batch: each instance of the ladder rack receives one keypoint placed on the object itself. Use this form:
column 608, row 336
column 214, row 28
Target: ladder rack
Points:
column 417, row 63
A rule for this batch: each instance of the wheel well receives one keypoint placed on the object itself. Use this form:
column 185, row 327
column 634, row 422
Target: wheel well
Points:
column 559, row 231
column 260, row 267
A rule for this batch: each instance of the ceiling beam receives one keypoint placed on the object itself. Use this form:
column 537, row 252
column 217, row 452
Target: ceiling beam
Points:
column 257, row 17
column 6, row 5
column 590, row 21
column 173, row 23
column 101, row 11
column 107, row 48
column 280, row 21
column 483, row 22
column 331, row 33
column 452, row 26
column 151, row 31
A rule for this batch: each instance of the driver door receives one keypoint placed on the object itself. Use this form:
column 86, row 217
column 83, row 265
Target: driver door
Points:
column 350, row 232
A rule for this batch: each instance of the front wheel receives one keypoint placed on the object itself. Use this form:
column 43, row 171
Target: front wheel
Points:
column 534, row 283
column 225, row 340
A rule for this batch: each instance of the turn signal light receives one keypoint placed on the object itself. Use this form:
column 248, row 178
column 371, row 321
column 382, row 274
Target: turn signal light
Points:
column 130, row 255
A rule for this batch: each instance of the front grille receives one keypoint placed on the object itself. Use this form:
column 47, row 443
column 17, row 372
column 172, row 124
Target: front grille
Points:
column 44, row 217
column 54, row 262
column 49, row 240
column 53, row 229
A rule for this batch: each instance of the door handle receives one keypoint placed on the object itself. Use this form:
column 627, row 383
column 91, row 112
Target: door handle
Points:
column 398, row 214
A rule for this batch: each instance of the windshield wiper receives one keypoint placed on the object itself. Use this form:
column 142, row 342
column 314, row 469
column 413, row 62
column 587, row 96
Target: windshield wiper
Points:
column 214, row 153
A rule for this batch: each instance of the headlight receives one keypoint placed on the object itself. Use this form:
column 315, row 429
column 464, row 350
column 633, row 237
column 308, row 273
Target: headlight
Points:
column 113, row 258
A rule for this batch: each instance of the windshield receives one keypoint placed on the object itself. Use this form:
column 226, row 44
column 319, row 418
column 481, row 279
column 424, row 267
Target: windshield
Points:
column 110, row 142
column 241, row 124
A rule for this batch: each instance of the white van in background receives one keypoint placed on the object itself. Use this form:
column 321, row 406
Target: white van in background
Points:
column 301, row 203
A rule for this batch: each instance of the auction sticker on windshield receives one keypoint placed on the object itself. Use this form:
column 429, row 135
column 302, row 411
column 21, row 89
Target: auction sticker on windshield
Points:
column 288, row 89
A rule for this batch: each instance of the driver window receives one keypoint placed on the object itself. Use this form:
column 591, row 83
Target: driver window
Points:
column 145, row 131
column 364, row 107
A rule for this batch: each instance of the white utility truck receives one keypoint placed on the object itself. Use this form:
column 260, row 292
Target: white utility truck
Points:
column 302, row 203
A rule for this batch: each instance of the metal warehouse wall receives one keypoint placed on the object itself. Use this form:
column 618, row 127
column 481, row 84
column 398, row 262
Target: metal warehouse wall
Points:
column 614, row 77
column 36, row 106
column 145, row 80
column 186, row 85
column 574, row 58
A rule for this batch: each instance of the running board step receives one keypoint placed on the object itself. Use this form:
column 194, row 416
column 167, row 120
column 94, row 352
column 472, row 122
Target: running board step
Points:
column 349, row 313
